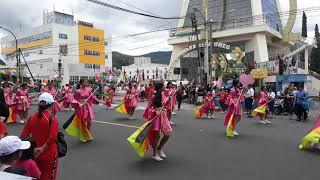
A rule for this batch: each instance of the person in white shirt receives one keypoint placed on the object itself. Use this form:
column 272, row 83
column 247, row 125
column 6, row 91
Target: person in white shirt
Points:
column 272, row 96
column 249, row 95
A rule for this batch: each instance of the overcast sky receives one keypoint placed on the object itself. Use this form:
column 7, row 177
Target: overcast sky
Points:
column 28, row 13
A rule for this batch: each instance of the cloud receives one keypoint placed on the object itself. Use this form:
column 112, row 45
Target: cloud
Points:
column 115, row 23
column 28, row 13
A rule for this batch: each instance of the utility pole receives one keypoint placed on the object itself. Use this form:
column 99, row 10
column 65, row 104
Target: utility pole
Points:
column 63, row 50
column 206, row 50
column 211, row 48
column 196, row 32
column 17, row 55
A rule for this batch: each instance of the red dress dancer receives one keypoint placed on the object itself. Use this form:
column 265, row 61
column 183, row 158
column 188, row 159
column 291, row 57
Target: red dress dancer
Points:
column 55, row 106
column 68, row 97
column 23, row 102
column 131, row 101
column 234, row 100
column 209, row 104
column 109, row 98
column 156, row 113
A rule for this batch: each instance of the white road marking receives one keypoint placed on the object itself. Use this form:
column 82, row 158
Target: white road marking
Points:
column 115, row 124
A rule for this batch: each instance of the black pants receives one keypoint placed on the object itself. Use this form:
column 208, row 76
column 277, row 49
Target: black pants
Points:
column 179, row 99
column 248, row 105
column 223, row 106
column 301, row 112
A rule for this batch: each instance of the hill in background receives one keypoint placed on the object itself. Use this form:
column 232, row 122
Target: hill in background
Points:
column 160, row 57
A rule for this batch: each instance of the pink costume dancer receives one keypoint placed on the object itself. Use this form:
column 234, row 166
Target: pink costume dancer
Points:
column 169, row 102
column 68, row 97
column 130, row 101
column 23, row 105
column 55, row 106
column 83, row 106
column 110, row 93
column 8, row 95
column 156, row 113
column 209, row 104
column 234, row 101
column 264, row 98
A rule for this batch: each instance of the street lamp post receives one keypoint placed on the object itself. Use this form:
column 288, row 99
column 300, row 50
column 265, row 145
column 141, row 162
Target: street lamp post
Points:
column 17, row 54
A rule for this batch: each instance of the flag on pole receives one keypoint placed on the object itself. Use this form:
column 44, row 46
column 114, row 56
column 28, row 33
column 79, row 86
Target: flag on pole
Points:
column 121, row 108
column 259, row 110
column 12, row 115
column 139, row 140
column 199, row 111
column 230, row 127
column 77, row 128
column 313, row 137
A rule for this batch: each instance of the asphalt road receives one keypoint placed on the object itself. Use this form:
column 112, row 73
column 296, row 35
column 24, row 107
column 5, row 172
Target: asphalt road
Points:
column 198, row 149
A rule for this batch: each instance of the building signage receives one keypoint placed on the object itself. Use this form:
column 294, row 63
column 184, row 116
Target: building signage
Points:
column 259, row 73
column 221, row 45
column 271, row 66
column 181, row 34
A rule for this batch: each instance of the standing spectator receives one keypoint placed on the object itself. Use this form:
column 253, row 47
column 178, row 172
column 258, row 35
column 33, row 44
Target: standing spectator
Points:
column 180, row 92
column 249, row 95
column 200, row 93
column 223, row 95
column 44, row 130
column 300, row 101
column 272, row 96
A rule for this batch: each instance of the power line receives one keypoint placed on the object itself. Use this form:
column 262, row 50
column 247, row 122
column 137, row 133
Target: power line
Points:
column 258, row 17
column 130, row 11
column 137, row 8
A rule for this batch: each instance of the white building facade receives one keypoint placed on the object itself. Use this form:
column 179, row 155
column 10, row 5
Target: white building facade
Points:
column 88, row 48
column 143, row 69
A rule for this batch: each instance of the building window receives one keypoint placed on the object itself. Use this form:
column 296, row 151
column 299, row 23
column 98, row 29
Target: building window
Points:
column 106, row 56
column 91, row 38
column 40, row 52
column 152, row 76
column 74, row 78
column 41, row 66
column 91, row 53
column 148, row 72
column 88, row 66
column 63, row 36
column 147, row 76
column 96, row 66
column 105, row 43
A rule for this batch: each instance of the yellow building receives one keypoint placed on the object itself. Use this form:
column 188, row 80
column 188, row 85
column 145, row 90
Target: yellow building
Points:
column 89, row 48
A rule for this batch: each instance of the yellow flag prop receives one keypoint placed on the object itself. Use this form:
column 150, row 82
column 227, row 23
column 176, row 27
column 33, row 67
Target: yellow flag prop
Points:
column 260, row 110
column 140, row 148
column 121, row 108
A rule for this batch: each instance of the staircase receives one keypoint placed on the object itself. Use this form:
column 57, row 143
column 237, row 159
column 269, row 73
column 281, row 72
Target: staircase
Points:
column 313, row 84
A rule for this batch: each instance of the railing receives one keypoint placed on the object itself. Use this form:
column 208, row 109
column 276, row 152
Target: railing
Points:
column 314, row 74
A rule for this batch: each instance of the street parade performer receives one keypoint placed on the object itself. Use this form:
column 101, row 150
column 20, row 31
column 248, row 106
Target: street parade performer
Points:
column 23, row 102
column 234, row 112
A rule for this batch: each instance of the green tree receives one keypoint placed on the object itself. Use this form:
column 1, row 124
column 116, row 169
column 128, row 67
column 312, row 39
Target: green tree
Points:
column 304, row 25
column 315, row 53
column 317, row 35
